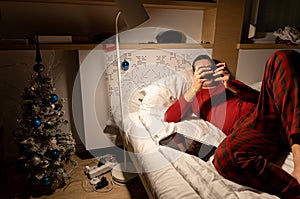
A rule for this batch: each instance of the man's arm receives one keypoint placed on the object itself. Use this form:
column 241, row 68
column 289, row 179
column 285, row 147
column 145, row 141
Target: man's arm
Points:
column 243, row 91
column 178, row 109
column 236, row 87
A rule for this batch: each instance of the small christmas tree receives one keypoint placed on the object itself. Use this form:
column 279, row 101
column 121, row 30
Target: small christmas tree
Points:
column 43, row 147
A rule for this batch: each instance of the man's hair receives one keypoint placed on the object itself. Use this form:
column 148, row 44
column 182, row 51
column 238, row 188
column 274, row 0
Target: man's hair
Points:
column 200, row 57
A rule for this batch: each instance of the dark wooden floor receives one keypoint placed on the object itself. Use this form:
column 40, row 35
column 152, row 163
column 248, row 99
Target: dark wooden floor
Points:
column 13, row 187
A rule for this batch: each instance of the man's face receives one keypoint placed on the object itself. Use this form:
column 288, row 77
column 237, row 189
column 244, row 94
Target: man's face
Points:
column 203, row 63
column 206, row 69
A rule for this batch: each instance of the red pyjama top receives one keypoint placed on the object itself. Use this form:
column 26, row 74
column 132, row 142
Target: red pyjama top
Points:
column 217, row 105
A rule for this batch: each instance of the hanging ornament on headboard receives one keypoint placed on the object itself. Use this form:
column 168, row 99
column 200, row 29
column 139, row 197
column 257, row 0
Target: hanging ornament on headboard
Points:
column 125, row 65
column 38, row 67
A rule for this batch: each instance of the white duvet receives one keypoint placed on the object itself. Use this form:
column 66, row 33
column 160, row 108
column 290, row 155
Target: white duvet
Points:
column 169, row 173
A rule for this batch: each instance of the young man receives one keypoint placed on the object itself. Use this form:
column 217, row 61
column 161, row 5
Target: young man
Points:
column 213, row 97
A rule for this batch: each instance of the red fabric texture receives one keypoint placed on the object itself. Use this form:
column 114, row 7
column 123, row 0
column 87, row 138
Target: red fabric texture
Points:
column 246, row 156
column 216, row 105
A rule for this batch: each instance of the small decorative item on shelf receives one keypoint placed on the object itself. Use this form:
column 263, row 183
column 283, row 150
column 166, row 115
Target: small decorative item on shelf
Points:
column 287, row 35
column 171, row 36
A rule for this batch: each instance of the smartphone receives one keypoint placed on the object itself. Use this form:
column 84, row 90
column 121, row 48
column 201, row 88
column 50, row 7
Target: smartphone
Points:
column 210, row 76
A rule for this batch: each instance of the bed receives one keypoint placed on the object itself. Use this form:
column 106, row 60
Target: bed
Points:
column 165, row 171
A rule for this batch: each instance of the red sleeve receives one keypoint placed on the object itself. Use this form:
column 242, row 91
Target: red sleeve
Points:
column 246, row 92
column 177, row 110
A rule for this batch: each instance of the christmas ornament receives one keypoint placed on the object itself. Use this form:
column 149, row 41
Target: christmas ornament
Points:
column 39, row 67
column 45, row 164
column 55, row 154
column 125, row 65
column 53, row 98
column 46, row 181
column 35, row 160
column 58, row 107
column 36, row 123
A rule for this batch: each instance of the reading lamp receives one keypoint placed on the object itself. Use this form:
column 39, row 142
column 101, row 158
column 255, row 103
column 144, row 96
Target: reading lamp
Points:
column 134, row 14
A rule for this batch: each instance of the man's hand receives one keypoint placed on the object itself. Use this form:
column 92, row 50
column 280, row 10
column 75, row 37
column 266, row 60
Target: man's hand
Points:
column 199, row 77
column 197, row 83
column 223, row 73
column 296, row 157
column 224, row 76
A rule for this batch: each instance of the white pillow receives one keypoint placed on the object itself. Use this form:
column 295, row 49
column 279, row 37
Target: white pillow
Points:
column 177, row 84
column 256, row 85
column 136, row 100
column 159, row 96
column 151, row 112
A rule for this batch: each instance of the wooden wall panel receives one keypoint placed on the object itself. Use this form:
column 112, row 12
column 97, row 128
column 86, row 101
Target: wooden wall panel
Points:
column 209, row 25
column 229, row 21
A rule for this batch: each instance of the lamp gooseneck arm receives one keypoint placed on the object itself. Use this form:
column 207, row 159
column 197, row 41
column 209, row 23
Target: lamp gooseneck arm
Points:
column 120, row 85
column 119, row 66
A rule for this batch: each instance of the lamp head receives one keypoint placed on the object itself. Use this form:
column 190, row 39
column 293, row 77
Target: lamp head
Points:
column 133, row 12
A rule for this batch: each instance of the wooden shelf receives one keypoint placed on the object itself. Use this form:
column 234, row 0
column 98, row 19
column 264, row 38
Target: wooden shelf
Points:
column 48, row 46
column 267, row 46
column 165, row 46
column 100, row 46
column 165, row 4
column 185, row 5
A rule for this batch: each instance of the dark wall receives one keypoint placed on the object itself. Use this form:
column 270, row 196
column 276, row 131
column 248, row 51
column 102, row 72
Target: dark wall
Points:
column 274, row 14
